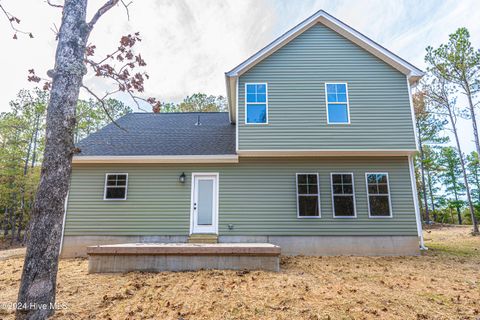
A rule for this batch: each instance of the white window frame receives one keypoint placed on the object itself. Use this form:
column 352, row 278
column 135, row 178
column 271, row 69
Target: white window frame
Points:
column 105, row 187
column 318, row 195
column 348, row 103
column 389, row 196
column 265, row 103
column 353, row 194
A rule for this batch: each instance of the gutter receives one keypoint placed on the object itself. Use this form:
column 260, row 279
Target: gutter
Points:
column 415, row 201
column 221, row 158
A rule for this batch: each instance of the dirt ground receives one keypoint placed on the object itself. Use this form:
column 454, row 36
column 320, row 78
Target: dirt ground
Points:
column 443, row 283
column 6, row 244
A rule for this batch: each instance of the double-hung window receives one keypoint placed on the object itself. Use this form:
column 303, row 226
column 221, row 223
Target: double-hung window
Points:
column 115, row 186
column 343, row 195
column 308, row 195
column 378, row 191
column 337, row 103
column 256, row 103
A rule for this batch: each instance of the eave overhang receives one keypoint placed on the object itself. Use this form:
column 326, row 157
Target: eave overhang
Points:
column 227, row 158
column 413, row 73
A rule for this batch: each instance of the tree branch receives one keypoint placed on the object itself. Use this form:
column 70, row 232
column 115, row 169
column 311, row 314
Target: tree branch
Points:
column 126, row 8
column 54, row 5
column 100, row 12
column 11, row 19
column 102, row 103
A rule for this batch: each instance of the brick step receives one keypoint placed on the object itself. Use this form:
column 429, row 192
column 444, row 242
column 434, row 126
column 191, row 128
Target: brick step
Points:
column 203, row 238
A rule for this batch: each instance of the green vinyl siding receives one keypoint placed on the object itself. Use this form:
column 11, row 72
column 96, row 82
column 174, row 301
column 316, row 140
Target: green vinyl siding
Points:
column 380, row 112
column 257, row 196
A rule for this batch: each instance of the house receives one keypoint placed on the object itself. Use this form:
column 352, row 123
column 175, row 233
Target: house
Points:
column 314, row 155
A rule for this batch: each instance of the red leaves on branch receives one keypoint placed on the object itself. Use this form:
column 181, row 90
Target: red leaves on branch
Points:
column 122, row 66
column 156, row 105
column 128, row 75
column 129, row 40
column 90, row 50
column 32, row 77
column 14, row 22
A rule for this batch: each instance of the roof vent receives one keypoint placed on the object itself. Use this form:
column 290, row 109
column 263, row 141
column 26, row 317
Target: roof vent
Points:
column 198, row 123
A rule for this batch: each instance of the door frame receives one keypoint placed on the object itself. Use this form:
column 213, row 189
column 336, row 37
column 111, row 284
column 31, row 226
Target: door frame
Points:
column 216, row 193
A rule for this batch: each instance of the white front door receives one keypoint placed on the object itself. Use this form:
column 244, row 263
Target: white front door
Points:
column 204, row 202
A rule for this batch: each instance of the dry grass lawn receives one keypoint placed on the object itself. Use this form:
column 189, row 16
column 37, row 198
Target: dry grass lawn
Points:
column 443, row 283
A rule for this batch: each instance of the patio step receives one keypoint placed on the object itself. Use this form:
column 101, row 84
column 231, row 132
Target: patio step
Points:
column 159, row 257
column 203, row 238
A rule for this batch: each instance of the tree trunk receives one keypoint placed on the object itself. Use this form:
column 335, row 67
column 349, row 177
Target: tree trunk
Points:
column 36, row 297
column 5, row 223
column 430, row 191
column 465, row 179
column 13, row 221
column 34, row 158
column 422, row 170
column 472, row 115
column 22, row 200
column 457, row 208
column 34, row 153
column 477, row 182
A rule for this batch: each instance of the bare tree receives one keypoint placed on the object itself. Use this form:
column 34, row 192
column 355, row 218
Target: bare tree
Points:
column 458, row 62
column 36, row 297
column 439, row 94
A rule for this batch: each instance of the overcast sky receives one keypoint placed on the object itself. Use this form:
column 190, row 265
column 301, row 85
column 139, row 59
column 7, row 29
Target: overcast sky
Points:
column 188, row 45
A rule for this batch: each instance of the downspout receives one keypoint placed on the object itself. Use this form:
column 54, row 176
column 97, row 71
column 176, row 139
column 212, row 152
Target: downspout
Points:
column 63, row 224
column 415, row 202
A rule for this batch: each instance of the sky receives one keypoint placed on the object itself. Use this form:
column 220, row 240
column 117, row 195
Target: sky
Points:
column 189, row 44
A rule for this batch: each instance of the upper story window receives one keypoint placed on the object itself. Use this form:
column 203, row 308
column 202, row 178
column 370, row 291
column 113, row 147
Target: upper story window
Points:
column 337, row 103
column 343, row 195
column 308, row 195
column 378, row 191
column 115, row 186
column 256, row 103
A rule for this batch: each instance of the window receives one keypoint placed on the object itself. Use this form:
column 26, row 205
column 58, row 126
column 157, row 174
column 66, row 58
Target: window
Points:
column 343, row 195
column 116, row 186
column 337, row 103
column 308, row 195
column 256, row 102
column 378, row 193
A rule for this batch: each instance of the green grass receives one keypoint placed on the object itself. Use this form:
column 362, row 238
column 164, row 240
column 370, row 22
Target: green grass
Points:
column 456, row 242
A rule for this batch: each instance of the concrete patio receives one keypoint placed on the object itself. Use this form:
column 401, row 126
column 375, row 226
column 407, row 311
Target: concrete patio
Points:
column 157, row 257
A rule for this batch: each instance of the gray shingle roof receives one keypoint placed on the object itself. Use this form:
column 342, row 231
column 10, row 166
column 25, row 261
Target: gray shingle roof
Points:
column 163, row 134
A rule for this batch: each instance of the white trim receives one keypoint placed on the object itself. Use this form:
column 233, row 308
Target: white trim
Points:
column 220, row 158
column 265, row 103
column 348, row 104
column 236, row 117
column 105, row 187
column 412, row 110
column 324, row 152
column 232, row 98
column 415, row 203
column 389, row 194
column 341, row 28
column 413, row 73
column 63, row 223
column 318, row 195
column 217, row 200
column 353, row 194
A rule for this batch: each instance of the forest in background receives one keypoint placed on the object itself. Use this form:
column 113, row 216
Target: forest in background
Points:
column 22, row 139
column 448, row 179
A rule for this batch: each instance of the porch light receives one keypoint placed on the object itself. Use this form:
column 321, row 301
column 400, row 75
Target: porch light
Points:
column 182, row 177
